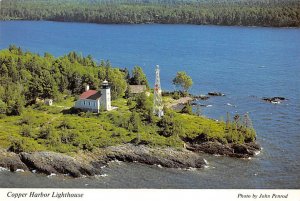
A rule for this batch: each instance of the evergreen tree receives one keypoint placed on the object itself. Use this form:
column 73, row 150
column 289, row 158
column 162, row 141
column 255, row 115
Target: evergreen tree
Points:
column 188, row 109
column 127, row 75
column 247, row 121
column 3, row 70
column 237, row 119
column 134, row 122
column 143, row 102
column 139, row 77
column 3, row 107
column 227, row 120
column 170, row 126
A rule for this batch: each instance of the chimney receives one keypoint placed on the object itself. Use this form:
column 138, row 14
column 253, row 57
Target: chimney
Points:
column 87, row 87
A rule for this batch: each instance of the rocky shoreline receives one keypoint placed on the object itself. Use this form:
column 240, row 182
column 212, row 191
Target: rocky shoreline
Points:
column 90, row 163
column 233, row 150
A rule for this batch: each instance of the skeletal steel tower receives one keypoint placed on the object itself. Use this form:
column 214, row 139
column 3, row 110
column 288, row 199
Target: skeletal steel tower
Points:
column 158, row 105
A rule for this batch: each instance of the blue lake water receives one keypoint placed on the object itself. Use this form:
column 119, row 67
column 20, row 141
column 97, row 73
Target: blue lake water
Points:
column 245, row 63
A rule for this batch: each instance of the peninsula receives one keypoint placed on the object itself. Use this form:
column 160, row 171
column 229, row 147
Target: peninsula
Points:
column 42, row 131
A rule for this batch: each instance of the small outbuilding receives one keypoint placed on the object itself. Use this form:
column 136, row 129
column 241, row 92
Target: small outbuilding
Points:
column 48, row 102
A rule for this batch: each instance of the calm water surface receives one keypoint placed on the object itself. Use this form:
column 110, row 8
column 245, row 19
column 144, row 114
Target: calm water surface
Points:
column 245, row 63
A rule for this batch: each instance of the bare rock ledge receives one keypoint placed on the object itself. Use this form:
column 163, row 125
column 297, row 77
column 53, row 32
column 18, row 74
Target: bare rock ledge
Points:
column 233, row 150
column 11, row 161
column 51, row 162
column 166, row 157
column 89, row 163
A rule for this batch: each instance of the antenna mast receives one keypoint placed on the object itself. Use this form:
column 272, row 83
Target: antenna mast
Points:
column 158, row 106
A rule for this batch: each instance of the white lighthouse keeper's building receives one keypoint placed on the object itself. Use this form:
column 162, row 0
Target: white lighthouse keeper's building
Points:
column 93, row 100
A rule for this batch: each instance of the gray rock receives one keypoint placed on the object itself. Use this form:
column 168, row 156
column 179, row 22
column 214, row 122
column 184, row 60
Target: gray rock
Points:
column 276, row 99
column 90, row 163
column 214, row 93
column 240, row 149
column 211, row 148
column 166, row 157
column 201, row 97
column 11, row 161
column 51, row 162
column 233, row 150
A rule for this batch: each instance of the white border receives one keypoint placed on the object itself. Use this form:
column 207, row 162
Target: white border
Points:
column 152, row 194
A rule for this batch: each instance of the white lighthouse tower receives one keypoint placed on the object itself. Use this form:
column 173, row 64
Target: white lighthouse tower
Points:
column 105, row 96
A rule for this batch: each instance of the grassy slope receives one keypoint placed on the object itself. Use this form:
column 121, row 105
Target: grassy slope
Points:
column 92, row 130
column 43, row 127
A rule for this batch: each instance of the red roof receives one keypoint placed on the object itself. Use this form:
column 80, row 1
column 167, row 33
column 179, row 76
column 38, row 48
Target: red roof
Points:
column 90, row 94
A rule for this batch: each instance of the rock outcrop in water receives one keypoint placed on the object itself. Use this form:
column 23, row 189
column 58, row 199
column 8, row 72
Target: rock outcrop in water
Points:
column 200, row 97
column 275, row 100
column 214, row 93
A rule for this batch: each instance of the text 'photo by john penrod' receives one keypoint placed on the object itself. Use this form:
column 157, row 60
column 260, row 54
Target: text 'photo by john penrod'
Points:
column 159, row 94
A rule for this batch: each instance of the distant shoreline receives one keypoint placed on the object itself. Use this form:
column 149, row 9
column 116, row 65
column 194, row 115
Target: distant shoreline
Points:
column 96, row 23
column 261, row 13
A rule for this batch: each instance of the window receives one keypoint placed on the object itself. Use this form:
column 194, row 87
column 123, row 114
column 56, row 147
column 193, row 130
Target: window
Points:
column 84, row 103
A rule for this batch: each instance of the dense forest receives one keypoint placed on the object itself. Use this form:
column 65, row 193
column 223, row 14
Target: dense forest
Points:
column 25, row 76
column 276, row 13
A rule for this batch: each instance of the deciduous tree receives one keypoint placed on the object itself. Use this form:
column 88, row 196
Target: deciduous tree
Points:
column 183, row 80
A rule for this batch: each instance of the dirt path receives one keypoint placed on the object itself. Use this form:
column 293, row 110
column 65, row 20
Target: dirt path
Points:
column 174, row 103
column 64, row 107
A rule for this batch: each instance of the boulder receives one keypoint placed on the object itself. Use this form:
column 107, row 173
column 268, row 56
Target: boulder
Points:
column 11, row 161
column 201, row 97
column 215, row 93
column 276, row 99
column 253, row 146
column 240, row 149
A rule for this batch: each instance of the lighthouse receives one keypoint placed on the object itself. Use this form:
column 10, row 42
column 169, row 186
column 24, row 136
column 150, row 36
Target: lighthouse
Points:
column 105, row 96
